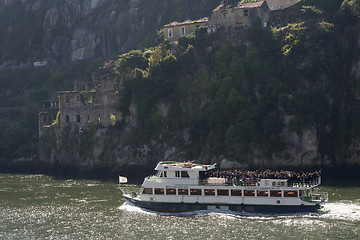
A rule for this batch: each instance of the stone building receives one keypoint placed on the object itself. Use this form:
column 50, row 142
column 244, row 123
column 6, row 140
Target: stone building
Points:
column 175, row 30
column 90, row 104
column 241, row 16
column 48, row 114
column 96, row 105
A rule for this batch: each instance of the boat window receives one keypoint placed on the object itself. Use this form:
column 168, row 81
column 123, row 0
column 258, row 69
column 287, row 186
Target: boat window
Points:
column 209, row 191
column 170, row 191
column 183, row 192
column 184, row 174
column 261, row 193
column 223, row 192
column 275, row 193
column 300, row 192
column 290, row 194
column 249, row 192
column 195, row 191
column 159, row 191
column 177, row 174
column 236, row 193
column 165, row 173
column 147, row 191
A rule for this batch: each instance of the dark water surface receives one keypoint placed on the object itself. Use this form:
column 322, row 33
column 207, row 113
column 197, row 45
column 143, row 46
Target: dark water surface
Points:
column 40, row 207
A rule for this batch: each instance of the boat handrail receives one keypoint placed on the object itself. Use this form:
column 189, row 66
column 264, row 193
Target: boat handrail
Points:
column 321, row 197
column 256, row 182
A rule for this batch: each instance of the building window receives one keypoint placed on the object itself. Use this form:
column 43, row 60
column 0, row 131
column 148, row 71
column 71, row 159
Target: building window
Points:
column 261, row 193
column 249, row 193
column 147, row 191
column 275, row 193
column 223, row 192
column 236, row 193
column 78, row 118
column 159, row 191
column 290, row 194
column 182, row 31
column 170, row 33
column 170, row 191
column 246, row 12
column 67, row 118
column 210, row 192
column 183, row 192
column 223, row 15
column 88, row 118
column 163, row 174
column 195, row 191
column 184, row 174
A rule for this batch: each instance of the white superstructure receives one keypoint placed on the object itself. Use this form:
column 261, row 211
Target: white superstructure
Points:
column 186, row 186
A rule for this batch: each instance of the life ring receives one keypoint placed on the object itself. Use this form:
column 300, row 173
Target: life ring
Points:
column 204, row 181
column 247, row 181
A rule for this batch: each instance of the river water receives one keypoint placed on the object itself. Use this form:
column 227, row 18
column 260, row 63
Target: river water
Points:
column 40, row 207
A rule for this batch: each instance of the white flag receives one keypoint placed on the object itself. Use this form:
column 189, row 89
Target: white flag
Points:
column 122, row 179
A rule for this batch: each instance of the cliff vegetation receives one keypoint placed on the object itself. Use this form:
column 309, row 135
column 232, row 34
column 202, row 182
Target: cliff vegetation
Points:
column 285, row 95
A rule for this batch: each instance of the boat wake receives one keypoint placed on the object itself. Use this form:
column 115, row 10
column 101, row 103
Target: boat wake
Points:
column 341, row 211
column 129, row 207
column 335, row 211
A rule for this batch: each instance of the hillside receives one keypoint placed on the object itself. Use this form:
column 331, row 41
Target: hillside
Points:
column 62, row 31
column 281, row 96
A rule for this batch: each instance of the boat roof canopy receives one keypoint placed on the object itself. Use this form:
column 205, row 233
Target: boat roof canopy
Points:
column 183, row 166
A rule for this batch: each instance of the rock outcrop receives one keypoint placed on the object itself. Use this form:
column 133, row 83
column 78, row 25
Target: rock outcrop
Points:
column 73, row 30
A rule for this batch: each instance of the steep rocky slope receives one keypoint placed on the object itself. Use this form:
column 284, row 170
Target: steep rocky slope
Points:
column 61, row 31
column 278, row 97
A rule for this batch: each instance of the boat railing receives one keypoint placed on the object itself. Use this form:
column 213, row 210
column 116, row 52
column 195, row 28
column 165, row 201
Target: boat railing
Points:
column 256, row 182
column 305, row 183
column 320, row 197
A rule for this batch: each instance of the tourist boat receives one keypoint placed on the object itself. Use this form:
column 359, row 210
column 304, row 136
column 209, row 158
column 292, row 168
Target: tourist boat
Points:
column 183, row 187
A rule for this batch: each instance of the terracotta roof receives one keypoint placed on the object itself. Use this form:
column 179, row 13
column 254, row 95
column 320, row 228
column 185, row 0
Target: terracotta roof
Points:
column 250, row 4
column 173, row 24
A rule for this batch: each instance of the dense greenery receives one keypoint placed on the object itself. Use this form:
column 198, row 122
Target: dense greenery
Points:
column 231, row 98
column 235, row 99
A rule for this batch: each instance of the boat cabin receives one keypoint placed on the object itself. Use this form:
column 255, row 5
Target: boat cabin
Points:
column 273, row 183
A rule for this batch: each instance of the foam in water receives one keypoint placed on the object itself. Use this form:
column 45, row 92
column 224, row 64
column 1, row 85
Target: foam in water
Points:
column 342, row 211
column 336, row 211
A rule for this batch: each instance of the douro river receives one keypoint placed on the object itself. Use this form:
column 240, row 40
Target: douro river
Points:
column 40, row 207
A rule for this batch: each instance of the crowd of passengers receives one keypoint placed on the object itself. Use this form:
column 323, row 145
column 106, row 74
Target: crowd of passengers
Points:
column 246, row 177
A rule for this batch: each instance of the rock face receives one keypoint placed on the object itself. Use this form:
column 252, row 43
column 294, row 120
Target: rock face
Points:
column 93, row 135
column 72, row 30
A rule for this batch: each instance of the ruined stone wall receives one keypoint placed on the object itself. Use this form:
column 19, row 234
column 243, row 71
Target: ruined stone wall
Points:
column 230, row 17
column 46, row 119
column 238, row 18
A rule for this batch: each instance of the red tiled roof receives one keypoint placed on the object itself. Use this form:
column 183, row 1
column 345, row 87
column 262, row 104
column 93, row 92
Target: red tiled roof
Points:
column 173, row 24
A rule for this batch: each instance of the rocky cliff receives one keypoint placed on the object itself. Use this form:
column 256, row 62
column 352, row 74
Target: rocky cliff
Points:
column 43, row 32
column 286, row 96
